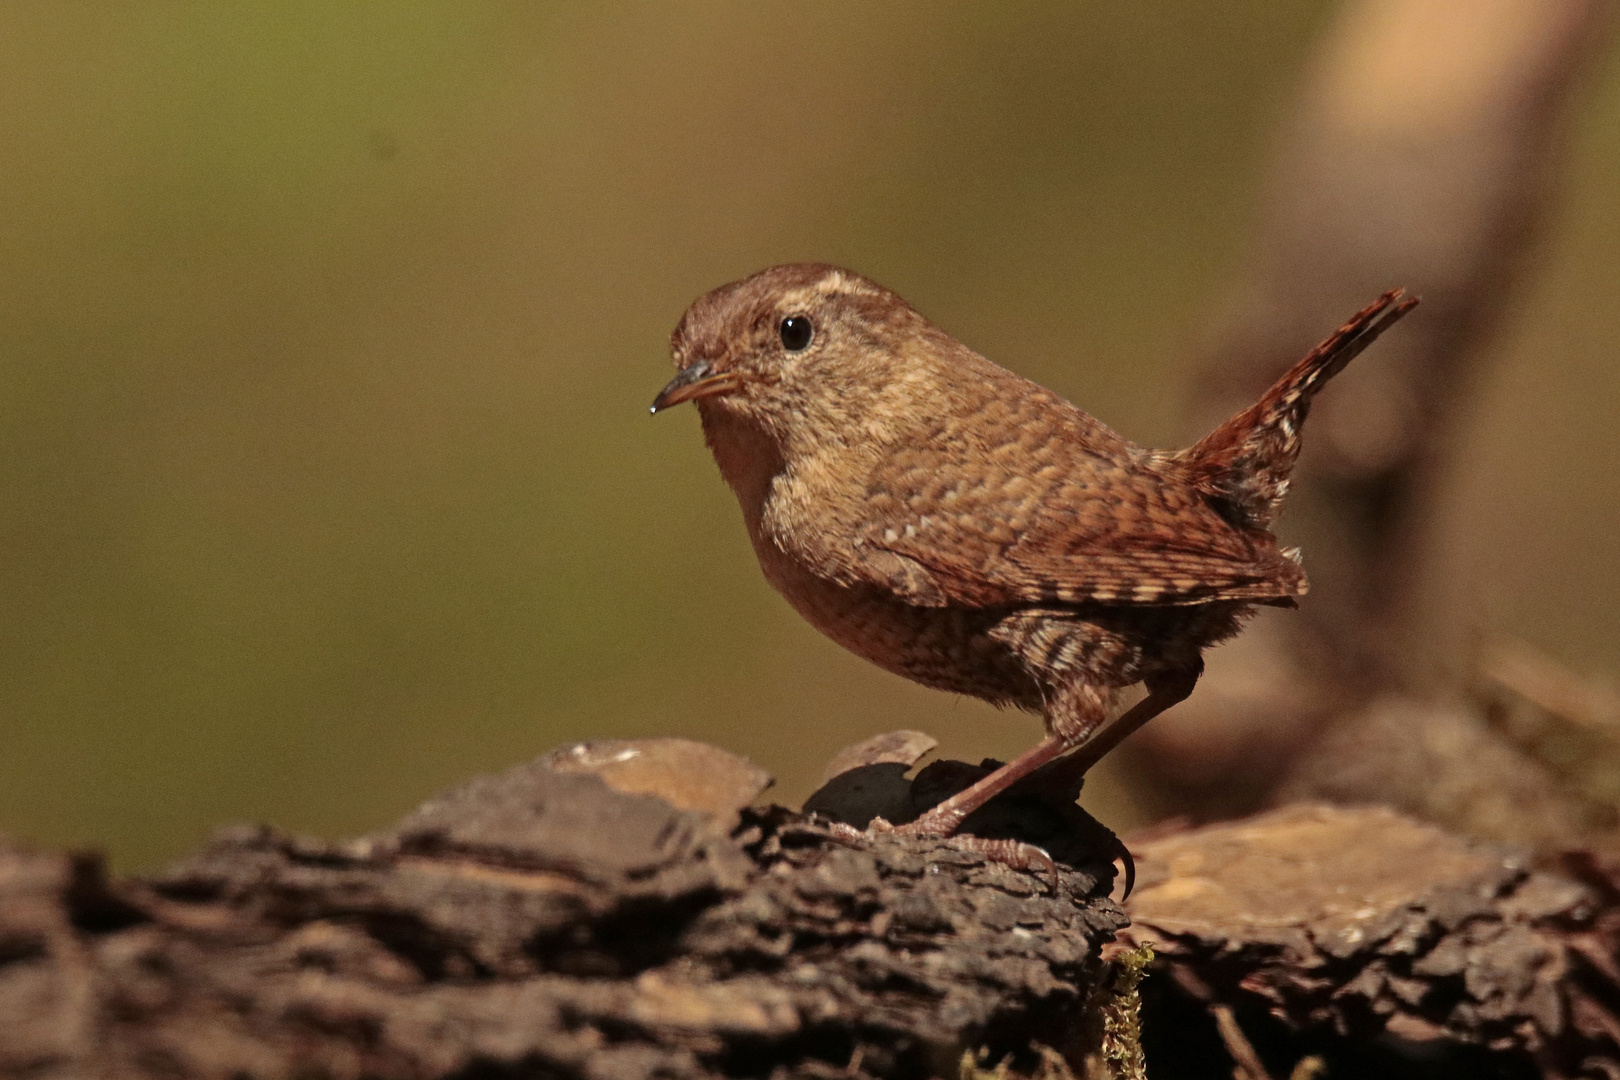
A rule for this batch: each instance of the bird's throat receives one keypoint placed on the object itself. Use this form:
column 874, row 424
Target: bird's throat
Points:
column 748, row 457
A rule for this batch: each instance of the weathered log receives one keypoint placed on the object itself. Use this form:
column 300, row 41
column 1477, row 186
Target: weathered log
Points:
column 615, row 910
column 1379, row 944
column 545, row 923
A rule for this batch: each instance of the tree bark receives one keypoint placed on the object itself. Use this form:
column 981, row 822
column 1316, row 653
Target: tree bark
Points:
column 547, row 923
column 616, row 910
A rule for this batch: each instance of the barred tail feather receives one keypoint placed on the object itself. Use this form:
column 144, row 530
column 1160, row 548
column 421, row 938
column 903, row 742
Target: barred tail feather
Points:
column 1246, row 461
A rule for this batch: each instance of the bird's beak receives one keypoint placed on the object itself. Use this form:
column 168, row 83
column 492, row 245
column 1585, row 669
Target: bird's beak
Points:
column 700, row 380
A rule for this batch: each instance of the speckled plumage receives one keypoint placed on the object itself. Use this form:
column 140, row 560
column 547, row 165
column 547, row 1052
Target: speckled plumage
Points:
column 955, row 523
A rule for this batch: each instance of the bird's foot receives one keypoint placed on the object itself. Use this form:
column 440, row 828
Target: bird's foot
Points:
column 1013, row 854
column 849, row 834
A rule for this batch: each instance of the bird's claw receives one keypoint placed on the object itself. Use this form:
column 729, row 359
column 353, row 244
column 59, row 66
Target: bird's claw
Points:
column 842, row 830
column 1123, row 854
column 1014, row 854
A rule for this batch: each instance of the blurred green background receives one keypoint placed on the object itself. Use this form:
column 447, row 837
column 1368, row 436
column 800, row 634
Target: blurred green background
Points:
column 327, row 333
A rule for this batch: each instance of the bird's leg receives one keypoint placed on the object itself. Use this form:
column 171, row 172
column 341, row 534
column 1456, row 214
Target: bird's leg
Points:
column 1164, row 690
column 1075, row 714
column 1074, row 717
column 944, row 819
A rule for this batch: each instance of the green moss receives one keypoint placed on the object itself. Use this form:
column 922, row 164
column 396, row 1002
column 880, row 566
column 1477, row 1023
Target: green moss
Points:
column 1110, row 1041
column 1115, row 1007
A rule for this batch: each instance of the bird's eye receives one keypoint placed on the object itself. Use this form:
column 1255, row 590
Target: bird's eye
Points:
column 796, row 332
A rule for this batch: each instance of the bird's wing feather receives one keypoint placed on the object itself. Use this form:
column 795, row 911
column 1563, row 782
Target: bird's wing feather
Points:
column 944, row 526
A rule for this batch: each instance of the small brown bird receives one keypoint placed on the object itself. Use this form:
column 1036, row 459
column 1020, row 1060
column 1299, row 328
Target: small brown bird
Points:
column 961, row 526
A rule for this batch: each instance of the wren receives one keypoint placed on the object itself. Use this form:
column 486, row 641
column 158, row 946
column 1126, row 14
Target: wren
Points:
column 959, row 525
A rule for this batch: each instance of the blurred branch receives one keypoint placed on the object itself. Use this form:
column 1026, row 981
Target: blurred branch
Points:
column 1421, row 154
column 1570, row 723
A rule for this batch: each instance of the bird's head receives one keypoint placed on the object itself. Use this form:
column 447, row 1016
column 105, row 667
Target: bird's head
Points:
column 799, row 345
